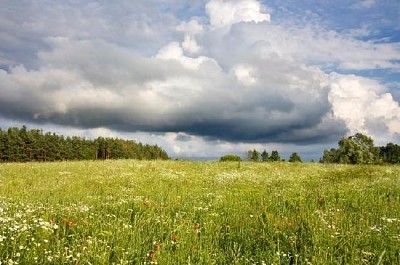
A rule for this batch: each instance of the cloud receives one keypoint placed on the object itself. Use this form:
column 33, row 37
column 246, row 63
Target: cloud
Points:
column 225, row 13
column 364, row 4
column 364, row 105
column 94, row 83
column 231, row 80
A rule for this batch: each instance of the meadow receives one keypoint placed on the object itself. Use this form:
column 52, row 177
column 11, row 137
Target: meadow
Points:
column 181, row 212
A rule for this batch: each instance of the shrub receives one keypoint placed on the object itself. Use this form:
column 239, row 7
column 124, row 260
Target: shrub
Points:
column 230, row 157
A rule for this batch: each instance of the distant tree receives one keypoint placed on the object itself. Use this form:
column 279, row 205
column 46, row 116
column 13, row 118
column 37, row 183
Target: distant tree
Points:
column 253, row 155
column 356, row 149
column 264, row 156
column 249, row 155
column 274, row 156
column 295, row 158
column 230, row 157
column 12, row 152
column 390, row 153
column 2, row 138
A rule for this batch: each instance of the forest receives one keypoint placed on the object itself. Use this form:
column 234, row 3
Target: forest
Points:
column 23, row 145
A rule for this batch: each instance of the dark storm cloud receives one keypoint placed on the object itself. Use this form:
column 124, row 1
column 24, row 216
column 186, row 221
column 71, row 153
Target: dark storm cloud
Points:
column 135, row 66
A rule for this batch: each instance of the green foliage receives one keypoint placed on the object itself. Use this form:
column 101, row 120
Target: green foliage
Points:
column 275, row 156
column 230, row 157
column 264, row 156
column 356, row 149
column 21, row 145
column 253, row 155
column 295, row 158
column 143, row 212
column 390, row 153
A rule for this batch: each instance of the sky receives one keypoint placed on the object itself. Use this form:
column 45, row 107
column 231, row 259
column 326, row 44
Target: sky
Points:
column 204, row 78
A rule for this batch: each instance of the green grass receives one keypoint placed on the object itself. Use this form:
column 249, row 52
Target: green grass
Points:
column 170, row 212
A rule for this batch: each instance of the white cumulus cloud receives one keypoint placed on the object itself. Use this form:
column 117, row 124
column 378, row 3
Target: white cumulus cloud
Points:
column 227, row 12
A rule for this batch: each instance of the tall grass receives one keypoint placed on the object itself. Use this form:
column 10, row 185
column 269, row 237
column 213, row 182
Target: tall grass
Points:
column 169, row 212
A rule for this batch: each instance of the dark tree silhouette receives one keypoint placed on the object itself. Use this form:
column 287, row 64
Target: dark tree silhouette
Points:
column 22, row 145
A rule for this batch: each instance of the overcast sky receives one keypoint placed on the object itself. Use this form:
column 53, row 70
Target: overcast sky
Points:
column 204, row 78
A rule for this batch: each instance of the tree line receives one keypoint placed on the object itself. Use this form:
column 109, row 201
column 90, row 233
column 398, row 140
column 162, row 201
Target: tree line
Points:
column 355, row 149
column 254, row 155
column 23, row 145
column 360, row 149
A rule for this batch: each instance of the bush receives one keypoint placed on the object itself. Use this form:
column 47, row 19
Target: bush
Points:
column 226, row 158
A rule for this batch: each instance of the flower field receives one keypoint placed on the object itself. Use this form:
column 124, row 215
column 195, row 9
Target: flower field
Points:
column 178, row 212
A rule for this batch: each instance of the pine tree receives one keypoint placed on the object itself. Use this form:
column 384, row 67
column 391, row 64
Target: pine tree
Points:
column 275, row 156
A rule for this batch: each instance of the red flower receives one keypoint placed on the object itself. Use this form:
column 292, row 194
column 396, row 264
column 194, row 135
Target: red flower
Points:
column 156, row 246
column 71, row 224
column 152, row 256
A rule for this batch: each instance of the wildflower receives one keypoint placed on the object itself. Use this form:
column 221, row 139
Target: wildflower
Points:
column 174, row 237
column 156, row 246
column 197, row 227
column 71, row 224
column 152, row 256
column 375, row 228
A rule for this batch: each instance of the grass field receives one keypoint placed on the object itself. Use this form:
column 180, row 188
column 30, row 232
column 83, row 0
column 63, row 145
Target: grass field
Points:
column 175, row 212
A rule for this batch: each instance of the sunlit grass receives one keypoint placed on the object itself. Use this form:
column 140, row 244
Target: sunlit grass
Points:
column 175, row 212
